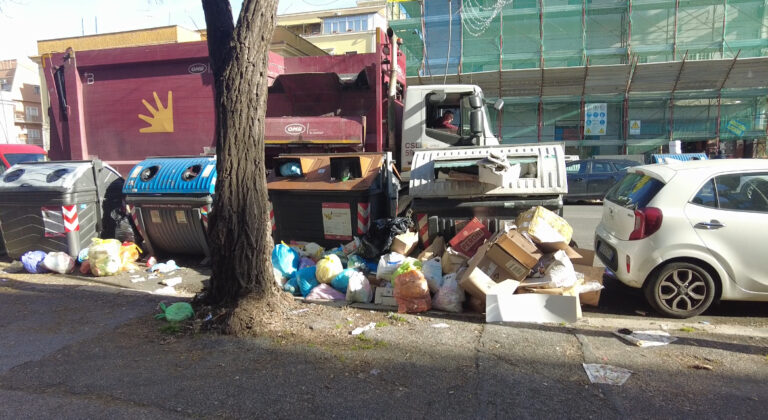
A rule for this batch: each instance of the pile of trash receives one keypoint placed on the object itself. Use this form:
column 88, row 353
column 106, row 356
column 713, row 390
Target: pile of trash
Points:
column 104, row 257
column 527, row 272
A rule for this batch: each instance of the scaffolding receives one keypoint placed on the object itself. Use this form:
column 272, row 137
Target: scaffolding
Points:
column 690, row 70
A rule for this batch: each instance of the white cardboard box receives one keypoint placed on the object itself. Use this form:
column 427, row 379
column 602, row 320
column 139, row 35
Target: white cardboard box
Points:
column 503, row 305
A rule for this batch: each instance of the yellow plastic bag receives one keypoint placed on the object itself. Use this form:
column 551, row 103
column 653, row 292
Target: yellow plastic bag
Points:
column 104, row 256
column 129, row 253
column 328, row 268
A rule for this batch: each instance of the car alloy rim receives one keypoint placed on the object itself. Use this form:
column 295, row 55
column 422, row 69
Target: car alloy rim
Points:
column 682, row 290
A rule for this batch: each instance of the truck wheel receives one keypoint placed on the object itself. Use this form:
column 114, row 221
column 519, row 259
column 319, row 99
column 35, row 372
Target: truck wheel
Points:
column 680, row 290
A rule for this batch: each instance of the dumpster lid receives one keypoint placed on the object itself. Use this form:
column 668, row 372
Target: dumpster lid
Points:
column 53, row 175
column 173, row 175
column 326, row 172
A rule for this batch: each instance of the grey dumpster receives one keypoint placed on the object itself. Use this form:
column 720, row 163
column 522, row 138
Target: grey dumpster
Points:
column 57, row 206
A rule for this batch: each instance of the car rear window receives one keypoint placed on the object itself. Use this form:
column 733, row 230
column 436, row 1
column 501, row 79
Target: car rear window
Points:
column 634, row 191
column 14, row 158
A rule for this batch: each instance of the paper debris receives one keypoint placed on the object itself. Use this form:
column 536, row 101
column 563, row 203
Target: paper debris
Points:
column 606, row 374
column 168, row 290
column 440, row 325
column 173, row 281
column 645, row 338
column 360, row 330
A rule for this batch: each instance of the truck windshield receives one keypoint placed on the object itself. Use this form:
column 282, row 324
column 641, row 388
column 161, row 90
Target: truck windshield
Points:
column 14, row 158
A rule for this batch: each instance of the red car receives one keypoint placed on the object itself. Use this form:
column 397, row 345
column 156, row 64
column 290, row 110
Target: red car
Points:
column 11, row 154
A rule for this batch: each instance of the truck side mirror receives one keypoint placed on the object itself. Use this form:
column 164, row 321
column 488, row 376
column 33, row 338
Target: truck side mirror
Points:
column 475, row 101
column 498, row 104
column 476, row 122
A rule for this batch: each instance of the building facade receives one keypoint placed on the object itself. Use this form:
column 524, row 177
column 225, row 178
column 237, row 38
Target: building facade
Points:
column 340, row 31
column 21, row 113
column 653, row 71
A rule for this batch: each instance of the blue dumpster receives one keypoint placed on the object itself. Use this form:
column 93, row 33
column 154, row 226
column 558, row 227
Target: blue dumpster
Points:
column 169, row 199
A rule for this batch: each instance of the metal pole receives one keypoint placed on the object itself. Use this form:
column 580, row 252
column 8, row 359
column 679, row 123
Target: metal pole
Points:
column 674, row 35
column 672, row 99
column 584, row 31
column 541, row 34
column 629, row 31
column 725, row 15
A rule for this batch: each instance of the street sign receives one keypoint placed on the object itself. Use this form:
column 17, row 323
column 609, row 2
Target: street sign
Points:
column 595, row 119
column 736, row 127
column 634, row 127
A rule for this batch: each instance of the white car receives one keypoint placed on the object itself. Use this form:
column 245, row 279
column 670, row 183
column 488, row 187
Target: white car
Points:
column 689, row 233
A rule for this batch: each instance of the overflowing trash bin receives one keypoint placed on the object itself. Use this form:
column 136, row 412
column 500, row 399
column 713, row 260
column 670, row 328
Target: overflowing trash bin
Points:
column 57, row 205
column 330, row 198
column 169, row 199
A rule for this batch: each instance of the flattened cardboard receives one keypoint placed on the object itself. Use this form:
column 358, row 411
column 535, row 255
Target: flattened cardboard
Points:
column 587, row 257
column 503, row 306
column 384, row 296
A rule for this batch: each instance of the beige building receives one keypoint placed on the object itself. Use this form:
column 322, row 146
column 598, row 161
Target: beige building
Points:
column 340, row 31
column 21, row 114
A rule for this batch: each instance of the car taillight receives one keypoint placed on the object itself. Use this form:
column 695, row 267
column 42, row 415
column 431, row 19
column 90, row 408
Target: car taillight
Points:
column 647, row 222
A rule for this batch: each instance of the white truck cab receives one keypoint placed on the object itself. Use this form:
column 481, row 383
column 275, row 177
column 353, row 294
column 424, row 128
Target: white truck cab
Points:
column 425, row 107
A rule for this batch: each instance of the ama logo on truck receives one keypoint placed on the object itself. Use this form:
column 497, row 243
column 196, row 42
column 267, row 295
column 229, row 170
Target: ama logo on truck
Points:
column 295, row 129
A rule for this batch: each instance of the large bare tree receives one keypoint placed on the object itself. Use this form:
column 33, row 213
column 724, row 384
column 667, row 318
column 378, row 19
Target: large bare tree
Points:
column 239, row 230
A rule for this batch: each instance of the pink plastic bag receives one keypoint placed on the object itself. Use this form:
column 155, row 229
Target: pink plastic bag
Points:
column 325, row 292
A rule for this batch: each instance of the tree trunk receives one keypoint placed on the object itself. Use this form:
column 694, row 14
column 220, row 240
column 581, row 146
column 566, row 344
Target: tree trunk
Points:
column 239, row 230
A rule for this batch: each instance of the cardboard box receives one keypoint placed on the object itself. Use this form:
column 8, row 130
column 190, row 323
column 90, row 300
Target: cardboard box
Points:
column 469, row 239
column 498, row 178
column 503, row 305
column 587, row 257
column 384, row 296
column 405, row 243
column 519, row 247
column 513, row 268
column 435, row 249
column 544, row 226
column 473, row 280
column 590, row 274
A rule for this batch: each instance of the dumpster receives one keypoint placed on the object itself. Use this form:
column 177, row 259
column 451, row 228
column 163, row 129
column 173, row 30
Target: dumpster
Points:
column 169, row 199
column 333, row 199
column 58, row 205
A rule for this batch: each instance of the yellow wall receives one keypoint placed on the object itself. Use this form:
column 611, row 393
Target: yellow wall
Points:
column 162, row 35
column 360, row 42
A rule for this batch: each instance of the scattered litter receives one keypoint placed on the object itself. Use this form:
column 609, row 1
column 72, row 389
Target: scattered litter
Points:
column 645, row 338
column 688, row 329
column 167, row 290
column 152, row 276
column 440, row 325
column 375, row 372
column 3, row 279
column 137, row 279
column 701, row 366
column 300, row 311
column 360, row 330
column 641, row 313
column 704, row 323
column 173, row 281
column 208, row 318
column 606, row 374
column 151, row 261
column 164, row 268
column 176, row 312
column 15, row 267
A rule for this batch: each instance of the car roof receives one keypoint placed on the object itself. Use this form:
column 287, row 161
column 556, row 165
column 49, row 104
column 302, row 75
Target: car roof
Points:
column 21, row 148
column 665, row 171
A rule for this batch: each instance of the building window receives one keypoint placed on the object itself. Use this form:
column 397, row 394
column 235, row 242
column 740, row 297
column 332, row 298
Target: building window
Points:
column 33, row 134
column 32, row 112
column 37, row 89
column 341, row 24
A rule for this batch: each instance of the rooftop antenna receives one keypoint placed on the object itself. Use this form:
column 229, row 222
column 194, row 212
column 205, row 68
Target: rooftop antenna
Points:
column 82, row 25
column 96, row 24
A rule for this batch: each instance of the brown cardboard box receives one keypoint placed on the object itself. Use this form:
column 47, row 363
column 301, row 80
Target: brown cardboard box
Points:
column 470, row 237
column 513, row 268
column 544, row 226
column 473, row 280
column 590, row 274
column 514, row 253
column 587, row 257
column 405, row 243
column 435, row 249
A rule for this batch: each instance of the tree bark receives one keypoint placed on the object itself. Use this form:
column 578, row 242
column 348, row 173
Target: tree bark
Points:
column 239, row 229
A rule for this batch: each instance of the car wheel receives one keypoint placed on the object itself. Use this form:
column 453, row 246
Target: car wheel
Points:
column 680, row 290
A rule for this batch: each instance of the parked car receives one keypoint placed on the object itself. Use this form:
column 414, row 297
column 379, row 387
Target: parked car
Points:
column 590, row 179
column 689, row 233
column 11, row 154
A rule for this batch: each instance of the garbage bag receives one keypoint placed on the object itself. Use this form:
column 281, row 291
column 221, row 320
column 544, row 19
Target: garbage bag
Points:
column 290, row 169
column 177, row 312
column 407, row 265
column 328, row 268
column 129, row 254
column 104, row 256
column 387, row 265
column 33, row 262
column 82, row 255
column 357, row 262
column 341, row 282
column 411, row 291
column 305, row 262
column 85, row 267
column 125, row 231
column 449, row 297
column 378, row 239
column 59, row 262
column 286, row 259
column 325, row 292
column 307, row 280
column 314, row 251
column 433, row 272
column 279, row 278
column 292, row 286
column 359, row 289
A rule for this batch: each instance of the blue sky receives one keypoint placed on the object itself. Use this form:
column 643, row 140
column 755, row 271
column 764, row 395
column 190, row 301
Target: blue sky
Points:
column 23, row 22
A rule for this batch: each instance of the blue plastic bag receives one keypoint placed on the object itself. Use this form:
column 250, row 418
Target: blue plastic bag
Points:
column 33, row 262
column 341, row 282
column 292, row 286
column 307, row 280
column 285, row 259
column 290, row 169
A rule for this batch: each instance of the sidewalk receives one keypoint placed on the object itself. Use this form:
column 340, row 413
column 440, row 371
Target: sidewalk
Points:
column 74, row 350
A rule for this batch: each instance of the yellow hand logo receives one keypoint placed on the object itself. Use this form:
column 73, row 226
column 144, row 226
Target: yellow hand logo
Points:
column 161, row 120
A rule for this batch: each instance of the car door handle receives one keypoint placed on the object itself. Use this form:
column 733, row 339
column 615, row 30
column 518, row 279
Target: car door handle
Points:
column 713, row 224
